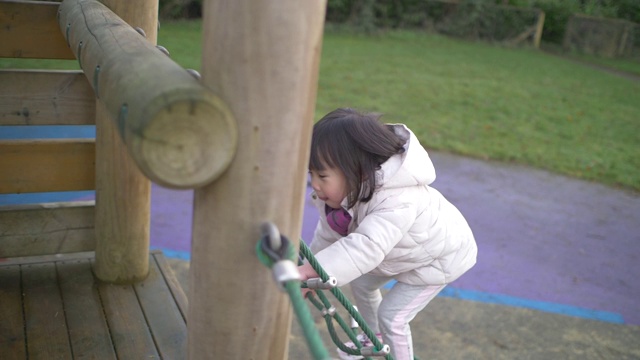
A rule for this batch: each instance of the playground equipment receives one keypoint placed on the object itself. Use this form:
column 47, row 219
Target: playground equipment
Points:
column 276, row 252
column 77, row 279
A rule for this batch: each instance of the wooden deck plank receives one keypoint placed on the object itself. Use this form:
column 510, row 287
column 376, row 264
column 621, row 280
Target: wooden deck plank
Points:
column 29, row 29
column 46, row 328
column 88, row 331
column 53, row 97
column 70, row 314
column 129, row 330
column 48, row 228
column 163, row 316
column 26, row 260
column 47, row 165
column 178, row 293
column 12, row 342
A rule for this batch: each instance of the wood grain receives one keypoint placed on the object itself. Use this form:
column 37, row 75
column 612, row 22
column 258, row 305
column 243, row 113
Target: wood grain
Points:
column 265, row 65
column 29, row 29
column 39, row 97
column 51, row 228
column 47, row 165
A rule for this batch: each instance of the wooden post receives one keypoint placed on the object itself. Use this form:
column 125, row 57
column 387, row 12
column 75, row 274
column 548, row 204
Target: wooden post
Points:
column 624, row 44
column 538, row 32
column 568, row 39
column 175, row 130
column 261, row 58
column 179, row 134
column 123, row 193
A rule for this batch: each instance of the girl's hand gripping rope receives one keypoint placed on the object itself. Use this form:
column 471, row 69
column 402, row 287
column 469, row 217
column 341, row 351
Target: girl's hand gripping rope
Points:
column 306, row 272
column 311, row 280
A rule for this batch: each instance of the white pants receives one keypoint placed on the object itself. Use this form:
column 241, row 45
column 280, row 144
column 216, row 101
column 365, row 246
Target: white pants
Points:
column 391, row 315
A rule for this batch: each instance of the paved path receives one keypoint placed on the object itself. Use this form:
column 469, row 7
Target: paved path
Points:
column 548, row 238
column 545, row 241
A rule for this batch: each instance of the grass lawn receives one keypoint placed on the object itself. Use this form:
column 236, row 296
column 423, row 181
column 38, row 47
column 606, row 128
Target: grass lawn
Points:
column 630, row 66
column 489, row 102
column 516, row 105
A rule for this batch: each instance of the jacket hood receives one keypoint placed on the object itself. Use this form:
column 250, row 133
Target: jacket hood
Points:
column 411, row 168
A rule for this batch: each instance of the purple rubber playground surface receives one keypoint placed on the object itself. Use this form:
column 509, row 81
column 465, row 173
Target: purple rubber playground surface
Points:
column 545, row 242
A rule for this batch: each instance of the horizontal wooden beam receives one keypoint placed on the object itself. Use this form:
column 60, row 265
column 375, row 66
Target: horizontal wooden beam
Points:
column 47, row 165
column 39, row 97
column 178, row 132
column 29, row 29
column 51, row 228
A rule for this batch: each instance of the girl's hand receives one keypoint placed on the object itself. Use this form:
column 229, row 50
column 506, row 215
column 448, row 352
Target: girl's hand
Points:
column 306, row 292
column 307, row 272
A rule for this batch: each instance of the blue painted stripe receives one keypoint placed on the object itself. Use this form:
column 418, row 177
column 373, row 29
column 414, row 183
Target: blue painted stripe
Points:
column 48, row 132
column 534, row 304
column 489, row 298
column 175, row 254
column 46, row 197
column 545, row 306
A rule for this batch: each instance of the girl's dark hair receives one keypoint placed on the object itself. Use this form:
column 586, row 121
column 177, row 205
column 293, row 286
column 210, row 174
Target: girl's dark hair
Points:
column 357, row 144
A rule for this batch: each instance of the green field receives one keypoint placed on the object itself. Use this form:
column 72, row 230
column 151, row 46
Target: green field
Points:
column 489, row 102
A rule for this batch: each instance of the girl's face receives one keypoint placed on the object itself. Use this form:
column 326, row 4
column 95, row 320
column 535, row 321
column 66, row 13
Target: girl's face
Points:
column 330, row 186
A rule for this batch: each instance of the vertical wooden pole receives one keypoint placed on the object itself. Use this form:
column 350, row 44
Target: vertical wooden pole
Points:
column 123, row 194
column 538, row 32
column 567, row 41
column 623, row 44
column 261, row 58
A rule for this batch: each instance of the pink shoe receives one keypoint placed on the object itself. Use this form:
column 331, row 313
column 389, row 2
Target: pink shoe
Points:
column 364, row 340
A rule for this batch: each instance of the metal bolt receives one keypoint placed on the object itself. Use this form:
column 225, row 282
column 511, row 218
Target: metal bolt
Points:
column 195, row 74
column 67, row 34
column 80, row 44
column 163, row 50
column 96, row 74
column 140, row 31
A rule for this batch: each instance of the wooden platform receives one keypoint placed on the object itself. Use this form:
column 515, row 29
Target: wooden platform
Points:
column 52, row 307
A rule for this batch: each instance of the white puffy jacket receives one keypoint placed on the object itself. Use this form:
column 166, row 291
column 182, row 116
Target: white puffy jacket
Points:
column 407, row 231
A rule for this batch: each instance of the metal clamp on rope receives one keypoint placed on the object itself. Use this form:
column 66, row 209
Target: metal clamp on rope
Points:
column 276, row 246
column 285, row 271
column 354, row 323
column 330, row 311
column 371, row 351
column 317, row 283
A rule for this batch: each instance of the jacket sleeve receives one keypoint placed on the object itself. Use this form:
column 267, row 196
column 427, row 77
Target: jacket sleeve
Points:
column 366, row 247
column 323, row 236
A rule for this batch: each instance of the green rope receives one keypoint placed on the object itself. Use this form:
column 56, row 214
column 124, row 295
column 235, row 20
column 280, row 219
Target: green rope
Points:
column 329, row 313
column 302, row 312
column 306, row 253
column 324, row 303
column 305, row 319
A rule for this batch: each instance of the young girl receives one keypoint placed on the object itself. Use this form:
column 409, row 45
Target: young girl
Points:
column 380, row 221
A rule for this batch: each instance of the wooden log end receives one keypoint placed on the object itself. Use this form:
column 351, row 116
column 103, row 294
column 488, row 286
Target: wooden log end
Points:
column 187, row 143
